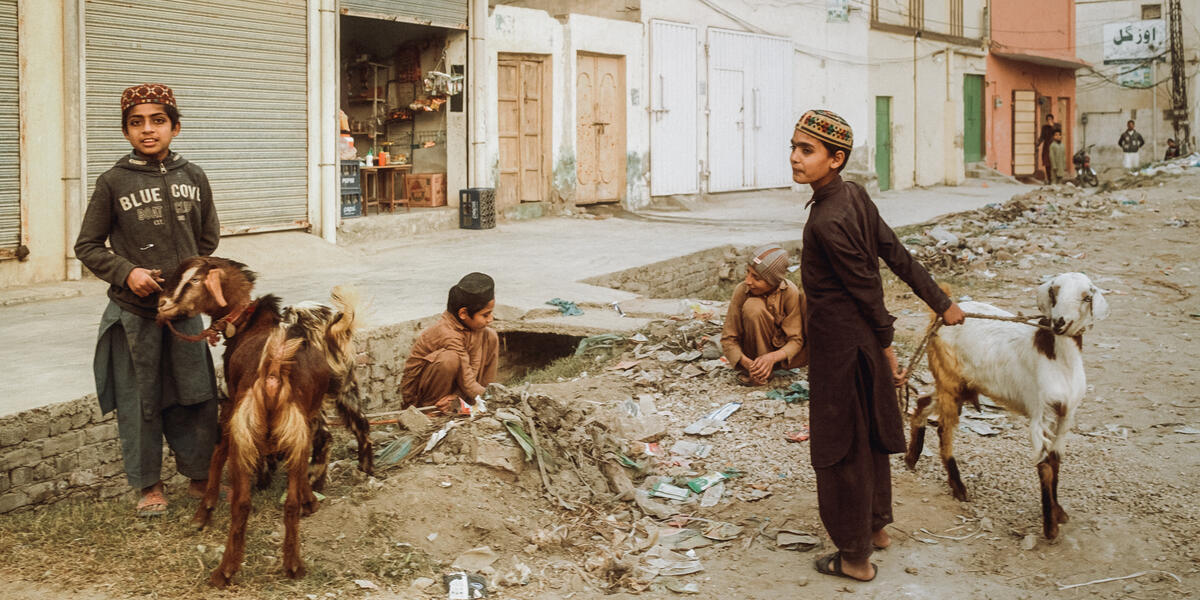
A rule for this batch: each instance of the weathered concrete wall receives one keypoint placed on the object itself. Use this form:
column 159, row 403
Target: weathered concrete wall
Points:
column 625, row 10
column 696, row 275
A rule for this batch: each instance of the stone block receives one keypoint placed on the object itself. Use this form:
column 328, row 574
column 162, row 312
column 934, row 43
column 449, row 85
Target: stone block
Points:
column 11, row 434
column 12, row 501
column 87, row 457
column 81, row 418
column 491, row 453
column 414, row 420
column 59, row 425
column 100, row 433
column 83, row 478
column 40, row 492
column 110, row 469
column 20, row 476
column 37, row 431
column 66, row 463
column 62, row 444
column 5, row 482
column 44, row 470
column 24, row 456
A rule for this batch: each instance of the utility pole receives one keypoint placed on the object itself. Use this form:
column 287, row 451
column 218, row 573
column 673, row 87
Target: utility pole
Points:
column 1179, row 105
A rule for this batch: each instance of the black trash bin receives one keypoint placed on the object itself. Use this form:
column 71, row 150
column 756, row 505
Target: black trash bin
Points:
column 477, row 208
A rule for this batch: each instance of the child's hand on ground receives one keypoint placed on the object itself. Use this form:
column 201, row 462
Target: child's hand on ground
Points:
column 448, row 405
column 953, row 315
column 142, row 282
column 898, row 376
column 760, row 369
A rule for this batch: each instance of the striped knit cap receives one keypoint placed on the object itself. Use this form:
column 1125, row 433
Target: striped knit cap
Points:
column 147, row 93
column 770, row 262
column 827, row 127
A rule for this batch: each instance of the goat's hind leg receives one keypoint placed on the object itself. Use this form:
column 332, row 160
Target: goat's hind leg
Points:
column 949, row 406
column 318, row 467
column 298, row 494
column 349, row 409
column 235, row 545
column 916, row 436
column 212, row 490
column 1053, row 514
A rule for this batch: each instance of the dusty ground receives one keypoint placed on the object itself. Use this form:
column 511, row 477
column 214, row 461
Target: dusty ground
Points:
column 1129, row 478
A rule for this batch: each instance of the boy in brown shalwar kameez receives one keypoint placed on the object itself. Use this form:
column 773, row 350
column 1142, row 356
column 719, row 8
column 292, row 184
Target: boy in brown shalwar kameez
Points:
column 456, row 357
column 765, row 323
column 853, row 413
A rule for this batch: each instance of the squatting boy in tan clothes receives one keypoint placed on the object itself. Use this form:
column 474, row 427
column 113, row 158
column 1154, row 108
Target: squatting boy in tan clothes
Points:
column 764, row 328
column 457, row 356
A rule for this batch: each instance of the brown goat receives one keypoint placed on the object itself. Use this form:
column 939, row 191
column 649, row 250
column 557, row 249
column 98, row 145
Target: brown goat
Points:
column 280, row 365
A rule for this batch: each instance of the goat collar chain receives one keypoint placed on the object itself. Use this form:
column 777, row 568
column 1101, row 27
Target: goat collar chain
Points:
column 227, row 325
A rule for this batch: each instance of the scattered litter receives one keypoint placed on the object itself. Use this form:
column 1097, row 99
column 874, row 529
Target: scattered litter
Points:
column 683, row 539
column 670, row 492
column 604, row 340
column 979, row 427
column 712, row 496
column 567, row 308
column 722, row 531
column 702, row 483
column 640, row 338
column 464, row 586
column 1028, row 542
column 800, row 435
column 1188, row 430
column 432, row 536
column 365, row 584
column 796, row 392
column 476, row 559
column 617, row 307
column 690, row 449
column 680, row 587
column 1062, row 587
column 663, row 561
column 624, row 365
column 440, row 435
column 421, row 583
column 1176, row 222
column 790, row 539
column 712, row 422
column 319, row 495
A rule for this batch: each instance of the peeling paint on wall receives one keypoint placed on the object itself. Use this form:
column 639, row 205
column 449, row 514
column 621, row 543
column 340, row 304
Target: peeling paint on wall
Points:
column 637, row 170
column 564, row 177
column 505, row 23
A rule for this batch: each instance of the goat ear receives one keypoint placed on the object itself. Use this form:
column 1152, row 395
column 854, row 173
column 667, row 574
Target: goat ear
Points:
column 1043, row 297
column 212, row 281
column 1099, row 305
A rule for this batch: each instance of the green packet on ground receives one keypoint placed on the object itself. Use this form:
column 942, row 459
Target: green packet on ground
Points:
column 702, row 483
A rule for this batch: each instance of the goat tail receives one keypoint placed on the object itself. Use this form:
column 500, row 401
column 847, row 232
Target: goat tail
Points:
column 339, row 335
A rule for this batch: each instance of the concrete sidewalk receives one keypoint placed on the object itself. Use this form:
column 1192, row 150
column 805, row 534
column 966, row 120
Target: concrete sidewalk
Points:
column 48, row 332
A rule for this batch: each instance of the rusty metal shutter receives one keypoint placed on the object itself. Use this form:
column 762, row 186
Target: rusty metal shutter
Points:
column 10, row 137
column 239, row 71
column 451, row 14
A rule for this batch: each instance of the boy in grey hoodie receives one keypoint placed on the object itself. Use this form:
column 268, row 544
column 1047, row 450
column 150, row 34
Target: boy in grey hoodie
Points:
column 154, row 209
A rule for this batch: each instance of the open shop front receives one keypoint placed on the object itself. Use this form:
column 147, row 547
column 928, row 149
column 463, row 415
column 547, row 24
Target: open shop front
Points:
column 403, row 116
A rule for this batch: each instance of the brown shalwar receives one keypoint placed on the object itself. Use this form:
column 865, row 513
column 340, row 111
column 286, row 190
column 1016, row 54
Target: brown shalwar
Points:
column 756, row 325
column 449, row 358
column 853, row 414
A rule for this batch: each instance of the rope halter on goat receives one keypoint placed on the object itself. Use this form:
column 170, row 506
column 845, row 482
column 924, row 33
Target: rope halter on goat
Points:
column 227, row 325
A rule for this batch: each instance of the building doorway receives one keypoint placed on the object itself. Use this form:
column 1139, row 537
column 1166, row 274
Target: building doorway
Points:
column 883, row 142
column 600, row 128
column 1024, row 133
column 523, row 102
column 972, row 118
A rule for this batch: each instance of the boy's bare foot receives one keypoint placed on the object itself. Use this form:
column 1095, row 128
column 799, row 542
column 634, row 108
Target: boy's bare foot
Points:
column 880, row 539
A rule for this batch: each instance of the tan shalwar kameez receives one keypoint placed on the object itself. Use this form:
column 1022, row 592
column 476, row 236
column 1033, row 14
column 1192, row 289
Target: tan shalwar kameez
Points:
column 756, row 325
column 449, row 358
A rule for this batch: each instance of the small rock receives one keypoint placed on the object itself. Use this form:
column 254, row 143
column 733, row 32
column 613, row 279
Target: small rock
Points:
column 910, row 570
column 803, row 581
column 1029, row 542
column 421, row 583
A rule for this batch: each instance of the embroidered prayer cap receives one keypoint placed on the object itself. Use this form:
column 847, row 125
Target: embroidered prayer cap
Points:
column 478, row 287
column 770, row 262
column 827, row 127
column 147, row 93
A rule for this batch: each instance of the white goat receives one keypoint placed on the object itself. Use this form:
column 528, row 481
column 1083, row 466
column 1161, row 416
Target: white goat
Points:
column 1029, row 370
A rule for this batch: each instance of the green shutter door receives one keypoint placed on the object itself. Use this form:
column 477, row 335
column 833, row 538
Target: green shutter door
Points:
column 883, row 141
column 451, row 14
column 10, row 135
column 240, row 73
column 973, row 118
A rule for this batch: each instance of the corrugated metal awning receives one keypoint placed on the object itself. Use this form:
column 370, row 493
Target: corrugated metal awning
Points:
column 451, row 14
column 10, row 129
column 239, row 72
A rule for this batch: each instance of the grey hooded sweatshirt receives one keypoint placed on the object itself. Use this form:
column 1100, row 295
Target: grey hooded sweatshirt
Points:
column 153, row 214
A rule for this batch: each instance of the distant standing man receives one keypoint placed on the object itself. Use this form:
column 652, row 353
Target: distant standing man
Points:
column 1045, row 139
column 1131, row 141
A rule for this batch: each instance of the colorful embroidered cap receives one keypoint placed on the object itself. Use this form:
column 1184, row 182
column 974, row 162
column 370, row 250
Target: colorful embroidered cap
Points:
column 827, row 127
column 147, row 93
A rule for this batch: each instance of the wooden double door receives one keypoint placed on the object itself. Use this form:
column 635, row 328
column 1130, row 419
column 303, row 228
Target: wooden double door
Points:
column 523, row 125
column 600, row 128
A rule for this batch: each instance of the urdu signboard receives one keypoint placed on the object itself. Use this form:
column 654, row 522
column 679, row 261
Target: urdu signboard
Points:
column 1135, row 41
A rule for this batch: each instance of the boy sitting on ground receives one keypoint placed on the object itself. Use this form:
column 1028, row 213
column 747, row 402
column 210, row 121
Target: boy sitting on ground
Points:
column 456, row 357
column 764, row 328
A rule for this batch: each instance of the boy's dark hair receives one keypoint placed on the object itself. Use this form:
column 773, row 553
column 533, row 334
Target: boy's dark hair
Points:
column 171, row 111
column 1058, row 129
column 834, row 150
column 1049, row 116
column 473, row 292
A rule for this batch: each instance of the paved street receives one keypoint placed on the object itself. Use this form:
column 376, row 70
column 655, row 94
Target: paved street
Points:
column 48, row 343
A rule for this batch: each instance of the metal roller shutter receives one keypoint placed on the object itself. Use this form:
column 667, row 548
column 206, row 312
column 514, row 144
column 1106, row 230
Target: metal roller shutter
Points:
column 10, row 136
column 239, row 71
column 451, row 14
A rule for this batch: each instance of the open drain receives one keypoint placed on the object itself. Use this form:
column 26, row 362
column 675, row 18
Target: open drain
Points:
column 524, row 351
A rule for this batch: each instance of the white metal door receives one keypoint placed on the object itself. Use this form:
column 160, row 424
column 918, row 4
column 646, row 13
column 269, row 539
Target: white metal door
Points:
column 674, row 155
column 762, row 101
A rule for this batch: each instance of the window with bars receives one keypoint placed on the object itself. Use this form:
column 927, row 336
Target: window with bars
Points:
column 1151, row 11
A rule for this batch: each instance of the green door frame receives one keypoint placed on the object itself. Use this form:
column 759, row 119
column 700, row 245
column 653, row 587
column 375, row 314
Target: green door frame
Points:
column 973, row 115
column 883, row 141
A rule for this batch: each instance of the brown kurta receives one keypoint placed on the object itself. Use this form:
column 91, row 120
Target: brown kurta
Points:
column 756, row 325
column 854, row 417
column 449, row 358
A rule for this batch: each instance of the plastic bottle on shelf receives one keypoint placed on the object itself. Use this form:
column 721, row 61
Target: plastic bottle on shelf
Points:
column 370, row 159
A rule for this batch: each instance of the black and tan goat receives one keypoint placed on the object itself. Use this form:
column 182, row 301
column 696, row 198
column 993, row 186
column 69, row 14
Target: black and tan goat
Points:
column 1035, row 372
column 280, row 366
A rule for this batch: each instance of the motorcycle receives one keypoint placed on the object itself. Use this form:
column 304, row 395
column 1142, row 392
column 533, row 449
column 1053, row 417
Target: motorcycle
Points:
column 1084, row 174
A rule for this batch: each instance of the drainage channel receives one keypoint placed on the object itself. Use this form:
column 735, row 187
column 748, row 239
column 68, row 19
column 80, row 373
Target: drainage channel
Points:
column 524, row 351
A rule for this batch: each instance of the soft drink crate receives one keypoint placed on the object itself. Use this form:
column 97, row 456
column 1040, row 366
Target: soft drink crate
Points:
column 477, row 208
column 350, row 176
column 426, row 189
column 351, row 205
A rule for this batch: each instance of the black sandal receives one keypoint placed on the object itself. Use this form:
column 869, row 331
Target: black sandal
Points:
column 831, row 564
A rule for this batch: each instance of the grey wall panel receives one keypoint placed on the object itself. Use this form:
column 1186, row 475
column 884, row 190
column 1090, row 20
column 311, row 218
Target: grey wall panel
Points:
column 239, row 72
column 442, row 13
column 10, row 134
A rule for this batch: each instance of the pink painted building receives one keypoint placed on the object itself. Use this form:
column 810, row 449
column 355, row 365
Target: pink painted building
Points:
column 1031, row 68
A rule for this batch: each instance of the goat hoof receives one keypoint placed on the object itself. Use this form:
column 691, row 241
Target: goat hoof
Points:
column 911, row 461
column 200, row 521
column 296, row 571
column 218, row 579
column 960, row 494
column 1060, row 515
